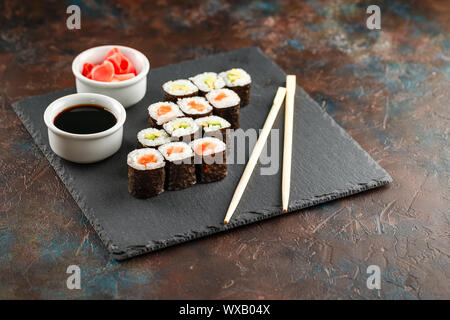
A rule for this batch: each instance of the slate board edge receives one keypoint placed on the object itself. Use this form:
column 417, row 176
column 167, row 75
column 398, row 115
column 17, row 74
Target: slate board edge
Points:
column 128, row 252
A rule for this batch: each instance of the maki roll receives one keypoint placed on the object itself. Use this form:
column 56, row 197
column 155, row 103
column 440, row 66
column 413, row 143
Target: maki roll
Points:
column 177, row 89
column 180, row 167
column 146, row 173
column 207, row 81
column 162, row 112
column 226, row 104
column 195, row 107
column 182, row 129
column 210, row 159
column 239, row 81
column 214, row 126
column 152, row 137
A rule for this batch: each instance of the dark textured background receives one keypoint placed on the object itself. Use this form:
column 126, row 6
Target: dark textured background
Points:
column 389, row 89
column 130, row 226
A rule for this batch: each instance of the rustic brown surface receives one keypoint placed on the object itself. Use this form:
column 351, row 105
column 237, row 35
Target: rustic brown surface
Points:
column 389, row 89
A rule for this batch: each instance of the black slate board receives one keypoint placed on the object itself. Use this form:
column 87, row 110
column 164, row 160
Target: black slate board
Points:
column 327, row 164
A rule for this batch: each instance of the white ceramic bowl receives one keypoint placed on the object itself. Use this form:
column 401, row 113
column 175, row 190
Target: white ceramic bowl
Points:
column 85, row 148
column 128, row 92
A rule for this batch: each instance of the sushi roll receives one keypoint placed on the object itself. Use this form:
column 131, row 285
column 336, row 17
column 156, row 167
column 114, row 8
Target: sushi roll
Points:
column 146, row 173
column 207, row 81
column 210, row 159
column 152, row 137
column 177, row 89
column 239, row 81
column 214, row 126
column 195, row 107
column 162, row 112
column 182, row 129
column 180, row 167
column 226, row 104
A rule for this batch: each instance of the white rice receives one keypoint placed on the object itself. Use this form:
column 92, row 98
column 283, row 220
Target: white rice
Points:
column 143, row 137
column 200, row 81
column 187, row 152
column 203, row 122
column 134, row 156
column 219, row 147
column 244, row 79
column 153, row 112
column 186, row 108
column 180, row 132
column 231, row 99
column 169, row 87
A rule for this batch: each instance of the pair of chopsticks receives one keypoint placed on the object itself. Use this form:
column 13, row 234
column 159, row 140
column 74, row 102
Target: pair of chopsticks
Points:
column 289, row 93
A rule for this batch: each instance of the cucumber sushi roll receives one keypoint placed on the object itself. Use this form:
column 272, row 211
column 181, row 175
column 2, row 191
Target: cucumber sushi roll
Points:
column 146, row 173
column 214, row 126
column 162, row 112
column 195, row 107
column 152, row 137
column 239, row 81
column 226, row 104
column 177, row 89
column 210, row 162
column 180, row 167
column 207, row 81
column 182, row 129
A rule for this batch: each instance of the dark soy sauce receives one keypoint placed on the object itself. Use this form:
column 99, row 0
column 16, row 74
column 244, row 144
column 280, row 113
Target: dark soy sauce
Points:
column 85, row 119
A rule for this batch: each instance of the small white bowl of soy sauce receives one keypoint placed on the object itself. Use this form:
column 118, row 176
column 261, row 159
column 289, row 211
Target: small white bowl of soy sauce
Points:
column 85, row 127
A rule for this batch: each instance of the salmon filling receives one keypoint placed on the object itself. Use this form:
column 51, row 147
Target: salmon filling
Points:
column 174, row 149
column 163, row 110
column 205, row 147
column 149, row 158
column 197, row 106
column 220, row 96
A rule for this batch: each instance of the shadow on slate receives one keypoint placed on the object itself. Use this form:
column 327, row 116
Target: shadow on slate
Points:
column 327, row 164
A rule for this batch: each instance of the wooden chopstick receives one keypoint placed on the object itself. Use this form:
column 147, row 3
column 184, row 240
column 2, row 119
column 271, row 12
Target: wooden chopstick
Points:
column 277, row 102
column 288, row 129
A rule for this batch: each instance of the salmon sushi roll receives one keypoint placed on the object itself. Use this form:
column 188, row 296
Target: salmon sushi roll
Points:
column 210, row 159
column 195, row 107
column 162, row 112
column 152, row 137
column 239, row 81
column 146, row 173
column 214, row 126
column 180, row 167
column 177, row 89
column 207, row 81
column 226, row 104
column 182, row 129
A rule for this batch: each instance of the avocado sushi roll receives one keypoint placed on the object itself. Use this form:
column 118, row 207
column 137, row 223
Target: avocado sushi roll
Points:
column 207, row 81
column 210, row 159
column 146, row 173
column 239, row 81
column 214, row 126
column 152, row 137
column 180, row 167
column 195, row 107
column 182, row 129
column 177, row 89
column 226, row 104
column 162, row 112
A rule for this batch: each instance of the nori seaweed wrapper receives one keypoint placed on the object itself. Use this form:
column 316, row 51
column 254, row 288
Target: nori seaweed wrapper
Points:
column 210, row 172
column 196, row 116
column 146, row 183
column 152, row 123
column 180, row 174
column 231, row 114
column 174, row 99
column 243, row 92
